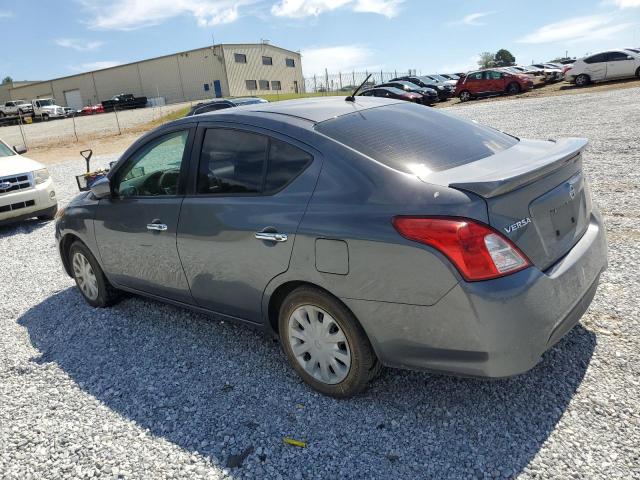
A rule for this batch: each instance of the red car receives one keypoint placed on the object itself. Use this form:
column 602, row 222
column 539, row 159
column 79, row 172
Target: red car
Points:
column 491, row 82
column 92, row 109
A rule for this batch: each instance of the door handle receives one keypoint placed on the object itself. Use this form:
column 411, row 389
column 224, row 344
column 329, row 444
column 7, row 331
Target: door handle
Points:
column 272, row 236
column 157, row 227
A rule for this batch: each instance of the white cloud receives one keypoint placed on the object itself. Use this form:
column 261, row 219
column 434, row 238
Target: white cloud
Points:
column 343, row 58
column 473, row 19
column 625, row 3
column 78, row 44
column 85, row 67
column 6, row 14
column 575, row 30
column 133, row 14
column 313, row 8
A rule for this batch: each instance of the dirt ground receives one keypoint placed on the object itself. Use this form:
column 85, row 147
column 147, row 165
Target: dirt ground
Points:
column 108, row 145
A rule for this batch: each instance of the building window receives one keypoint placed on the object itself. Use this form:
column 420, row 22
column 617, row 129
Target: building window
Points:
column 206, row 87
column 267, row 61
column 275, row 85
column 264, row 84
column 240, row 57
column 290, row 62
column 251, row 84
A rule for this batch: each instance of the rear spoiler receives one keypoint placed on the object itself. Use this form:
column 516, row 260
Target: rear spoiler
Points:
column 511, row 169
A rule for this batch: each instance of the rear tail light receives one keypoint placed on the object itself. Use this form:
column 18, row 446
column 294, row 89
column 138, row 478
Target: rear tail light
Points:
column 476, row 250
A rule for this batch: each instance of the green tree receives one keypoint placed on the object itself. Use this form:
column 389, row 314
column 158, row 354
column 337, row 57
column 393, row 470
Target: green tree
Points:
column 504, row 58
column 6, row 80
column 486, row 60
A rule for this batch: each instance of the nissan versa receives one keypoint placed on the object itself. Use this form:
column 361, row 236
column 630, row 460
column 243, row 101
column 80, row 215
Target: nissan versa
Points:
column 363, row 233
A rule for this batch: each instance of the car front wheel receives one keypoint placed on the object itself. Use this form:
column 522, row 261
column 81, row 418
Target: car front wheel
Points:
column 325, row 344
column 582, row 80
column 465, row 96
column 89, row 277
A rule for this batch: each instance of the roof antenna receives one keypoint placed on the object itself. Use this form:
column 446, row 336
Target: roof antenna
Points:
column 352, row 97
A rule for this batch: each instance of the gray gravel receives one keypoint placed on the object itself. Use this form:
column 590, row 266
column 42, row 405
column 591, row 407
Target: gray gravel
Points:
column 145, row 390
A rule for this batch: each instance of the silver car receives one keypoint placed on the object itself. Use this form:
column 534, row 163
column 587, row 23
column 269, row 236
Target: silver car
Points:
column 362, row 233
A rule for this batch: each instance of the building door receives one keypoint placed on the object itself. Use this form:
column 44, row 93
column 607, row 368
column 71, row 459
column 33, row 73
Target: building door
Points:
column 217, row 88
column 295, row 86
column 73, row 99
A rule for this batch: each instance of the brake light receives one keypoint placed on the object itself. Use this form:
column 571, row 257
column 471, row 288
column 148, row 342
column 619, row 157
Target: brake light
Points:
column 476, row 250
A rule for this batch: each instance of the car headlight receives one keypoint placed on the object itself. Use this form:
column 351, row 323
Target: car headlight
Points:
column 41, row 175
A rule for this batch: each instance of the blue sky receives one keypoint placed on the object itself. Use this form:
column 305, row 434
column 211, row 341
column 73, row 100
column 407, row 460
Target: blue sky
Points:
column 47, row 39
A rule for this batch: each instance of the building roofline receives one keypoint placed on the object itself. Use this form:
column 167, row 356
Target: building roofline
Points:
column 216, row 45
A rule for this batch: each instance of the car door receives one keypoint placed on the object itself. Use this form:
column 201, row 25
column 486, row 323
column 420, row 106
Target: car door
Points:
column 494, row 82
column 136, row 228
column 474, row 83
column 620, row 65
column 596, row 67
column 249, row 191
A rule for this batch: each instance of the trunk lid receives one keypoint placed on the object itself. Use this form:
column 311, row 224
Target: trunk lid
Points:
column 536, row 195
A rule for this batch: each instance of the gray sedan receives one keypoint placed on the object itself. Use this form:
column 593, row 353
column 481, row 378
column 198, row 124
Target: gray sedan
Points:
column 362, row 233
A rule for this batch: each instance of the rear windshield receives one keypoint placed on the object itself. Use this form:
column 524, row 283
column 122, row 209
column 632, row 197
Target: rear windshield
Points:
column 415, row 139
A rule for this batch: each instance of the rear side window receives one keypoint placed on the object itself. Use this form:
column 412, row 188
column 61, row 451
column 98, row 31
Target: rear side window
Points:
column 237, row 162
column 617, row 56
column 601, row 57
column 411, row 138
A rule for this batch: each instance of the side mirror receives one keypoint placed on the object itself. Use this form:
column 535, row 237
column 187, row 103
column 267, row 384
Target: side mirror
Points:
column 101, row 188
column 20, row 149
column 629, row 57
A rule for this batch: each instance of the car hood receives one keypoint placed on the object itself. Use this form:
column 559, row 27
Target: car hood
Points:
column 16, row 164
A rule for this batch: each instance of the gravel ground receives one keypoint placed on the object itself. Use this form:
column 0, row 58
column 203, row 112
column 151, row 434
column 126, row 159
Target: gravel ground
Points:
column 145, row 390
column 55, row 132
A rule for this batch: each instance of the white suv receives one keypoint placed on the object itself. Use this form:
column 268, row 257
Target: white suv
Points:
column 610, row 65
column 26, row 189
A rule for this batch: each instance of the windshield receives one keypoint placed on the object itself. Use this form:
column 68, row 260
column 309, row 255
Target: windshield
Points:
column 428, row 80
column 439, row 77
column 411, row 138
column 46, row 103
column 5, row 151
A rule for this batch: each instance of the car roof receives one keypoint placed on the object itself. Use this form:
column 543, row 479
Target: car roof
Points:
column 314, row 110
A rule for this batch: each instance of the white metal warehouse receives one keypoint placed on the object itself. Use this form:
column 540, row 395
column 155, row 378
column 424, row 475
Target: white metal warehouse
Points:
column 226, row 70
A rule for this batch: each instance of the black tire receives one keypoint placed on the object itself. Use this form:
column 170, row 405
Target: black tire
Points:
column 364, row 363
column 45, row 117
column 582, row 80
column 49, row 214
column 513, row 88
column 638, row 72
column 465, row 96
column 2, row 115
column 107, row 294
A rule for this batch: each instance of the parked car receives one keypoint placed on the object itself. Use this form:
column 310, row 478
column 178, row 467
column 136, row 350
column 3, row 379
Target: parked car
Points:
column 492, row 82
column 124, row 101
column 396, row 94
column 91, row 109
column 363, row 233
column 222, row 103
column 634, row 50
column 445, row 91
column 609, row 65
column 26, row 189
column 429, row 95
column 552, row 73
column 451, row 76
column 443, row 79
column 14, row 108
column 46, row 109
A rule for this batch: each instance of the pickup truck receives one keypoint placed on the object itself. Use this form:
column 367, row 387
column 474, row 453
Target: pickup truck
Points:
column 14, row 108
column 46, row 109
column 124, row 101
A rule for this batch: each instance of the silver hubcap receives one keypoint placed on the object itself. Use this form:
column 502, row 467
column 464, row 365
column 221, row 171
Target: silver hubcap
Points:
column 85, row 277
column 465, row 96
column 319, row 344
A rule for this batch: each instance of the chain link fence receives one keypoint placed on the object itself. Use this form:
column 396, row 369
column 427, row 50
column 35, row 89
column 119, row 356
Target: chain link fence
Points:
column 345, row 82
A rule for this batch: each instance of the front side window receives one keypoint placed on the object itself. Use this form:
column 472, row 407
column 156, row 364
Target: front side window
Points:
column 618, row 56
column 237, row 162
column 240, row 57
column 475, row 76
column 251, row 84
column 5, row 151
column 154, row 170
column 264, row 84
column 290, row 62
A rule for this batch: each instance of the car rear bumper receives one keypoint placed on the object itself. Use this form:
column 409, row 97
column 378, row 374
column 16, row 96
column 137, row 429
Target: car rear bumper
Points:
column 495, row 328
column 28, row 203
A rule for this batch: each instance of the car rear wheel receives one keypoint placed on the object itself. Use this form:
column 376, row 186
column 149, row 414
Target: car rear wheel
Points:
column 89, row 277
column 513, row 88
column 582, row 80
column 638, row 72
column 465, row 96
column 325, row 344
